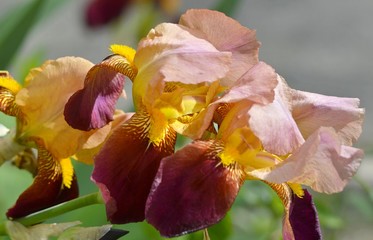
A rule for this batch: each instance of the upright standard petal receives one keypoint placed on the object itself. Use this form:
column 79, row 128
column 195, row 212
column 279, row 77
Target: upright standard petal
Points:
column 321, row 163
column 48, row 188
column 311, row 111
column 256, row 85
column 192, row 190
column 126, row 166
column 274, row 125
column 226, row 34
column 169, row 53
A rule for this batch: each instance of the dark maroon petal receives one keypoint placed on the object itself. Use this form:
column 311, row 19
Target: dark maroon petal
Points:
column 47, row 189
column 303, row 218
column 191, row 191
column 93, row 106
column 125, row 168
column 100, row 12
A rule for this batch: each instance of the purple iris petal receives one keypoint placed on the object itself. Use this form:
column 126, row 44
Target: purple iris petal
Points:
column 93, row 106
column 126, row 166
column 191, row 191
column 303, row 218
column 46, row 190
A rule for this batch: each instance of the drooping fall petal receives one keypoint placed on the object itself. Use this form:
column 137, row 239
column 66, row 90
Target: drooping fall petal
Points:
column 300, row 217
column 321, row 163
column 93, row 106
column 226, row 34
column 48, row 188
column 191, row 190
column 311, row 111
column 125, row 168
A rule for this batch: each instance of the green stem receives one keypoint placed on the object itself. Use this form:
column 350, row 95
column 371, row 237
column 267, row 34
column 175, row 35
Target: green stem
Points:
column 41, row 216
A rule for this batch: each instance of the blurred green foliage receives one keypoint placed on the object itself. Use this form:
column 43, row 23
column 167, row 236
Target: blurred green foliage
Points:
column 257, row 212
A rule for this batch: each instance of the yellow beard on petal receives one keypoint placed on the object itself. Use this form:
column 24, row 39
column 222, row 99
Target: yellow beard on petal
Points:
column 67, row 172
column 158, row 127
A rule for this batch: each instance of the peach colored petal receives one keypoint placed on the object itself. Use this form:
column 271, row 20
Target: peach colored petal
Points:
column 311, row 111
column 43, row 99
column 321, row 163
column 171, row 54
column 274, row 125
column 226, row 34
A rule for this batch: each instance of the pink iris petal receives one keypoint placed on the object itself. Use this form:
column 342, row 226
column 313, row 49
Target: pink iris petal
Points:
column 169, row 53
column 274, row 125
column 321, row 163
column 312, row 111
column 302, row 219
column 190, row 192
column 93, row 106
column 256, row 85
column 226, row 34
column 125, row 168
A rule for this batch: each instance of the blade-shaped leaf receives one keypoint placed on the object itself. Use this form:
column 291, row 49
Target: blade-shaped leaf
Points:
column 15, row 29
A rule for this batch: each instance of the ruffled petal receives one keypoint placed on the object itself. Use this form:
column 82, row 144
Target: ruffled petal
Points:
column 300, row 221
column 169, row 53
column 93, row 106
column 126, row 166
column 46, row 190
column 191, row 190
column 321, row 163
column 55, row 81
column 311, row 111
column 256, row 85
column 226, row 34
column 274, row 125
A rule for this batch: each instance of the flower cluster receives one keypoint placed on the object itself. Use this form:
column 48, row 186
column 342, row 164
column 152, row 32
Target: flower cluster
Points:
column 201, row 78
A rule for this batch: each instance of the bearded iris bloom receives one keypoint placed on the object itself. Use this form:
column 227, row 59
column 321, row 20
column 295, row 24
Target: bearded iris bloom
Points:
column 299, row 139
column 175, row 75
column 202, row 78
column 38, row 108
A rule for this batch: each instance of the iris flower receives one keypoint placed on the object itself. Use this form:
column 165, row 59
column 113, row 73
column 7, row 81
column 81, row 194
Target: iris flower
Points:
column 202, row 78
column 175, row 73
column 298, row 139
column 38, row 107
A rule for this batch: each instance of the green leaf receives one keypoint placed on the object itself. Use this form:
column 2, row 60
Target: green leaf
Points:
column 94, row 233
column 228, row 7
column 15, row 27
column 17, row 231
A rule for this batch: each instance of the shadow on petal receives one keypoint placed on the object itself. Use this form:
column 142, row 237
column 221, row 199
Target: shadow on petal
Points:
column 191, row 191
column 47, row 189
column 126, row 166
